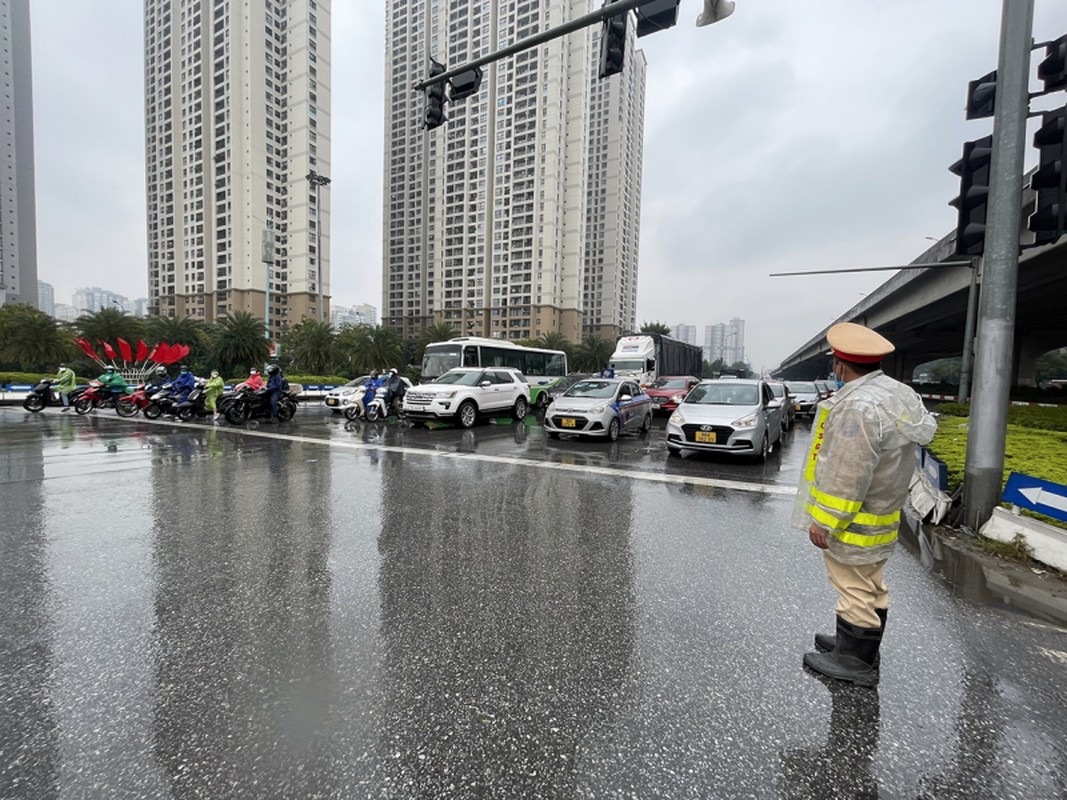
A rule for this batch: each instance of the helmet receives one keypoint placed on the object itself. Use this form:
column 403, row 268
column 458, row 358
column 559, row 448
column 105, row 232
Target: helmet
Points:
column 273, row 368
column 62, row 365
column 253, row 372
column 392, row 370
column 374, row 373
column 183, row 368
column 161, row 370
column 109, row 368
column 214, row 373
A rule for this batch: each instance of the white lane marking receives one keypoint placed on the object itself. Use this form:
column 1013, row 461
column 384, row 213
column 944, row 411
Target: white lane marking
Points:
column 653, row 477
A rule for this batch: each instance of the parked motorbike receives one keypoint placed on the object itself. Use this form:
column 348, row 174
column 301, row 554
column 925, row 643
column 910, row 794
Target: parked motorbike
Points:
column 380, row 408
column 255, row 404
column 193, row 405
column 43, row 395
column 97, row 395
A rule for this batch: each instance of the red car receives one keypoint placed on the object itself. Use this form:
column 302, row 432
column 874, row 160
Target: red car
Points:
column 667, row 392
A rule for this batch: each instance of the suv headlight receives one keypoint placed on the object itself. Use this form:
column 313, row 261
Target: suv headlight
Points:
column 749, row 421
column 447, row 395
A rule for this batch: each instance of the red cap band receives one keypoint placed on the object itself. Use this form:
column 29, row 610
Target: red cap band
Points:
column 857, row 359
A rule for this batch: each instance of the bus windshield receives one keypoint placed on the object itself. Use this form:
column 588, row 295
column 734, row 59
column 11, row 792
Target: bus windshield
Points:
column 439, row 359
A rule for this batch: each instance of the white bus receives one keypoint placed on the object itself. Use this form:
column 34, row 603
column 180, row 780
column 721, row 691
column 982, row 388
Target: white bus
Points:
column 537, row 364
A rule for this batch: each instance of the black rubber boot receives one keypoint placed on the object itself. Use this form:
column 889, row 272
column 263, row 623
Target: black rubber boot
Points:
column 853, row 658
column 826, row 642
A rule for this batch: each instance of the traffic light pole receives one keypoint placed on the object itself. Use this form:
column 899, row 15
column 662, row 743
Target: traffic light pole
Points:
column 987, row 431
column 593, row 17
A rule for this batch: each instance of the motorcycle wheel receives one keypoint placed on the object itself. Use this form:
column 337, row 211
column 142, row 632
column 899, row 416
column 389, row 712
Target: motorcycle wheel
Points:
column 152, row 411
column 186, row 414
column 286, row 411
column 83, row 405
column 33, row 402
column 352, row 412
column 373, row 413
column 126, row 408
column 237, row 414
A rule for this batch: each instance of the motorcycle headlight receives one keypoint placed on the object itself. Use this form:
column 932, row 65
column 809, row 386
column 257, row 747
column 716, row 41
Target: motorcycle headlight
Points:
column 677, row 417
column 748, row 421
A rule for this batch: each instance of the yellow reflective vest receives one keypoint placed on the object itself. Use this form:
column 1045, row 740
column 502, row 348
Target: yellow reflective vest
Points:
column 855, row 479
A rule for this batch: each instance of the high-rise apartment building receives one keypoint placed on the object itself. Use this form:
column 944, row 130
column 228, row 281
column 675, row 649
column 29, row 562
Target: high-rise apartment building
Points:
column 237, row 113
column 18, row 216
column 46, row 298
column 684, row 333
column 513, row 219
column 725, row 340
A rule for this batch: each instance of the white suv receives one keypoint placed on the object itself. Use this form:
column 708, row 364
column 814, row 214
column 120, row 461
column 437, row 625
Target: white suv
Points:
column 467, row 392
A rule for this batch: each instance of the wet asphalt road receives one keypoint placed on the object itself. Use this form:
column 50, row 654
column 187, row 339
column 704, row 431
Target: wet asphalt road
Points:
column 326, row 610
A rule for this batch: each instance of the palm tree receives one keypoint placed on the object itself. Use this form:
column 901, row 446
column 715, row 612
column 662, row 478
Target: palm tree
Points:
column 656, row 327
column 310, row 345
column 176, row 330
column 237, row 343
column 108, row 325
column 554, row 340
column 347, row 347
column 383, row 348
column 31, row 340
column 593, row 354
column 438, row 332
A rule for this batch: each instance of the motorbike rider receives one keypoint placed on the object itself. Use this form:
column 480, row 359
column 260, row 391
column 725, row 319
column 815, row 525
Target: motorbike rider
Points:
column 255, row 380
column 65, row 384
column 182, row 385
column 158, row 381
column 393, row 386
column 115, row 383
column 213, row 391
column 274, row 389
column 370, row 387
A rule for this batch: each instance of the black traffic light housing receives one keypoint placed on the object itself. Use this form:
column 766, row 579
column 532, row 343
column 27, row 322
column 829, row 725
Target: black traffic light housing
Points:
column 612, row 44
column 465, row 84
column 973, row 201
column 1053, row 69
column 656, row 15
column 435, row 99
column 1050, row 179
column 981, row 95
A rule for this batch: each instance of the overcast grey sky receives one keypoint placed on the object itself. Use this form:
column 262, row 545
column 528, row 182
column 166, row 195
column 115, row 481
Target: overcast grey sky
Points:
column 796, row 134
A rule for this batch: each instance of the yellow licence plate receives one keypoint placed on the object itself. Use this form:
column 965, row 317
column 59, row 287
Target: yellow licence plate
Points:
column 567, row 422
column 707, row 437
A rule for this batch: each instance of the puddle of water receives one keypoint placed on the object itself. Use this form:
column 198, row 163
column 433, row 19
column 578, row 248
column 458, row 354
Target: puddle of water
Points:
column 985, row 579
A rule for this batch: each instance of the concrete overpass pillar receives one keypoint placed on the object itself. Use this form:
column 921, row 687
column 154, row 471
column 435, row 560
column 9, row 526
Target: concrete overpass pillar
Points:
column 1028, row 349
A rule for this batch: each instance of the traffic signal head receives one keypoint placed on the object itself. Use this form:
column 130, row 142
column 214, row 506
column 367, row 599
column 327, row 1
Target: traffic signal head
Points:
column 656, row 15
column 612, row 44
column 972, row 203
column 1053, row 70
column 435, row 99
column 981, row 95
column 1050, row 180
column 465, row 84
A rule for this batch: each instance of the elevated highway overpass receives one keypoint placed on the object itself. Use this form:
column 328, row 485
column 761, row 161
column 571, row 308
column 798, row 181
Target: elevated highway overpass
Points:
column 923, row 312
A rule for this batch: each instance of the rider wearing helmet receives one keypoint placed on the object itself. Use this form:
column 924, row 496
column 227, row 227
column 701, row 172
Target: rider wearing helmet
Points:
column 114, row 381
column 183, row 384
column 372, row 384
column 274, row 389
column 158, row 380
column 393, row 386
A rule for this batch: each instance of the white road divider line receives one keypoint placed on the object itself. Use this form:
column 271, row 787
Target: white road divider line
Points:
column 652, row 477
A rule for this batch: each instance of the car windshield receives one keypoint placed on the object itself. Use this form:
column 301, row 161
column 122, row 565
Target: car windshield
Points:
column 356, row 382
column 723, row 394
column 668, row 383
column 803, row 388
column 595, row 389
column 461, row 378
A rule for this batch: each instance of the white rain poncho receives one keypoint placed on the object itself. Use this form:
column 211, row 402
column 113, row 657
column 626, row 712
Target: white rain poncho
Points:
column 856, row 477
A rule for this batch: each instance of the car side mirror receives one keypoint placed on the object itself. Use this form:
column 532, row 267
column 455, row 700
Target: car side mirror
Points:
column 775, row 403
column 485, row 384
column 625, row 398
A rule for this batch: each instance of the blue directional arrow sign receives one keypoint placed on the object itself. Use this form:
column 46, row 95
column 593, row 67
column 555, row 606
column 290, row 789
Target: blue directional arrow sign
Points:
column 1044, row 497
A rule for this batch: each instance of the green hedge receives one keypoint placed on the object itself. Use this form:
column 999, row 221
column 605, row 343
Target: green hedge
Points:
column 1043, row 418
column 318, row 380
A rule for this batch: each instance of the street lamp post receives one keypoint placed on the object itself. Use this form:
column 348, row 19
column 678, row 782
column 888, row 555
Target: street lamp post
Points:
column 318, row 181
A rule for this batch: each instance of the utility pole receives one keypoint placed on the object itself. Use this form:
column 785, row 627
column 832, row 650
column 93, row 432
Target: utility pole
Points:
column 983, row 476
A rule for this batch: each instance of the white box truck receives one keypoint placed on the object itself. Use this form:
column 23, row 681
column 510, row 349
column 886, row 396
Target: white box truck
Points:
column 647, row 356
